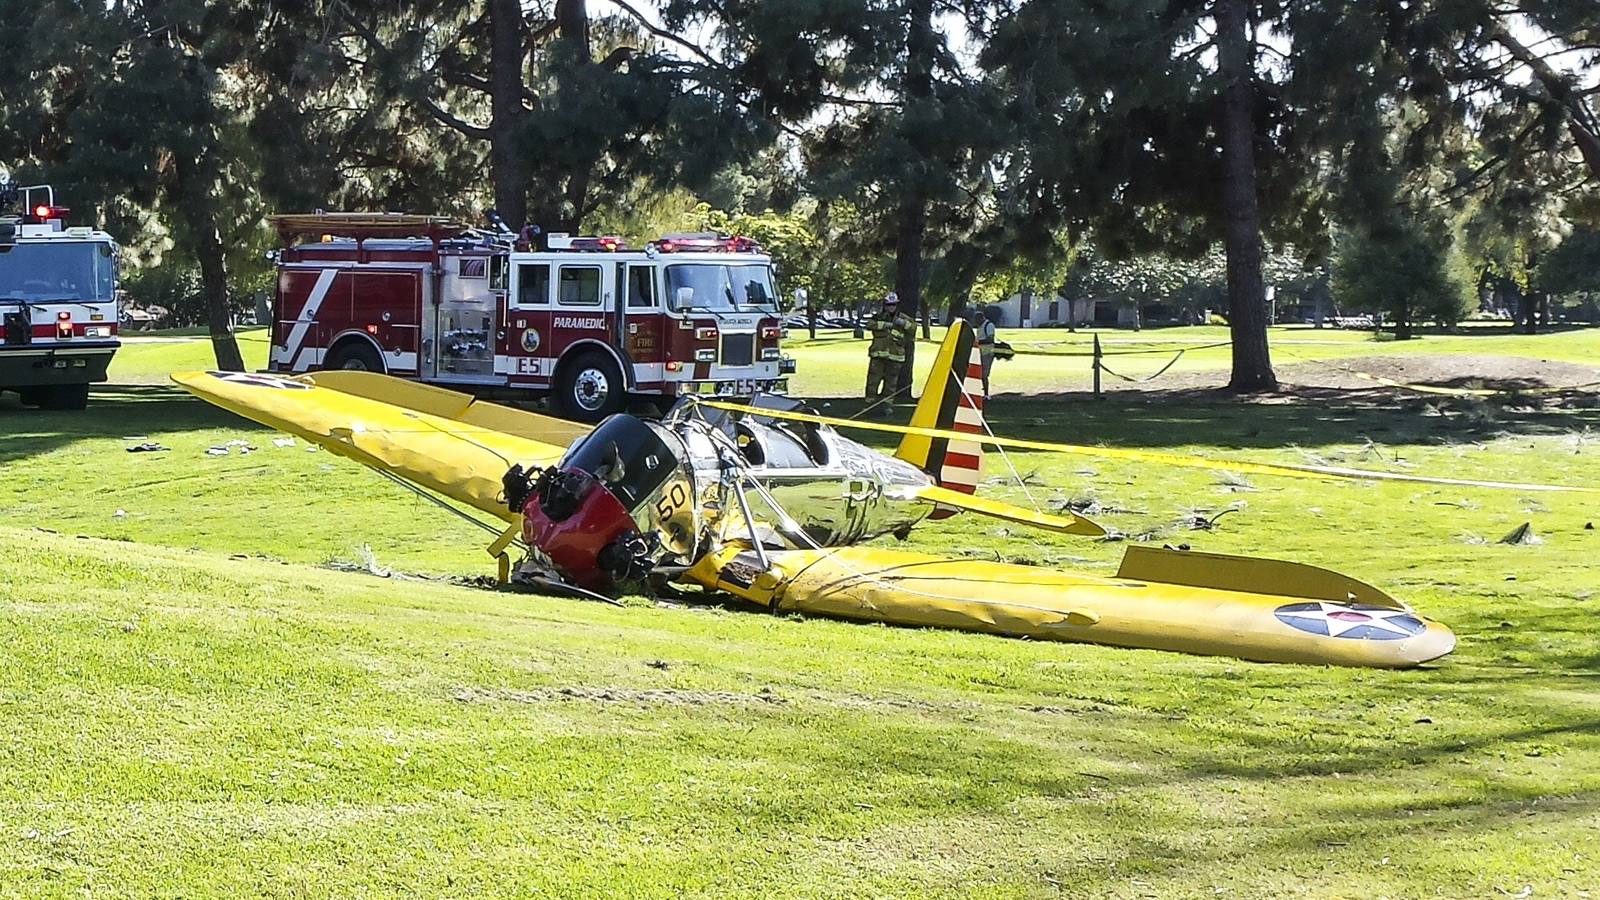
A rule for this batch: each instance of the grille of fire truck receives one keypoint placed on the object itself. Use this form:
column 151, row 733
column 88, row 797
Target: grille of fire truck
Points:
column 738, row 349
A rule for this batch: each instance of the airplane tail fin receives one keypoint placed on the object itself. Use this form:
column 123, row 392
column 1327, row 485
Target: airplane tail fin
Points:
column 952, row 400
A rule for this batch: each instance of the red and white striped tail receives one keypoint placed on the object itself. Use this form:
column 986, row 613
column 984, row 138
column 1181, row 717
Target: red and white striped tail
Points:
column 952, row 401
column 963, row 460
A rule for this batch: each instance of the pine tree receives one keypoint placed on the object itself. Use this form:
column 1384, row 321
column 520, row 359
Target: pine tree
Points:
column 887, row 119
column 566, row 109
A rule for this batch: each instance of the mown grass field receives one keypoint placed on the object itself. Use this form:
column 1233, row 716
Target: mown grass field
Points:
column 193, row 703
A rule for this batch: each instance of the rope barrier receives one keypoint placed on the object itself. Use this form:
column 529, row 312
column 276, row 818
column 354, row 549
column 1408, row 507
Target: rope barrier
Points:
column 1148, row 378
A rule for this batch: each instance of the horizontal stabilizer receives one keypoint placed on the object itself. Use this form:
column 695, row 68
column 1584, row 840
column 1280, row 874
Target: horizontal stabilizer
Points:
column 1248, row 574
column 1071, row 523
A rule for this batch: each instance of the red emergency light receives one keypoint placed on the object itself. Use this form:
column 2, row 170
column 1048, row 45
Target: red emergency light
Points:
column 707, row 244
column 46, row 213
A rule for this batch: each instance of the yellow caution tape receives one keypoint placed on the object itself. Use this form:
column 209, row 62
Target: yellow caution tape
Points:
column 1287, row 470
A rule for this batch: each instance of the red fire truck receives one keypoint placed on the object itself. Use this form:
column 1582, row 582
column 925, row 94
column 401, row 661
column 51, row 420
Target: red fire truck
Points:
column 586, row 321
column 57, row 301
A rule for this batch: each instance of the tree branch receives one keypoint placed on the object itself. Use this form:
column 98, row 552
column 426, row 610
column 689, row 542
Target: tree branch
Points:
column 616, row 58
column 666, row 35
column 466, row 128
column 1581, row 122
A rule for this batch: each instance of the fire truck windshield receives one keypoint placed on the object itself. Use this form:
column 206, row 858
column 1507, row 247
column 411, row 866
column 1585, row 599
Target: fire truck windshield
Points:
column 75, row 271
column 720, row 286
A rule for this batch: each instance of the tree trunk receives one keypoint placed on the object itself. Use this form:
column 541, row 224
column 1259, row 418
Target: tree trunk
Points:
column 197, row 184
column 508, row 166
column 913, row 224
column 958, row 307
column 1402, row 322
column 908, row 272
column 1247, row 314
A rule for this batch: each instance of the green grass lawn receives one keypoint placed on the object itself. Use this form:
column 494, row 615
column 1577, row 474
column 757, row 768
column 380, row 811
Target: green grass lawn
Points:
column 1052, row 360
column 194, row 704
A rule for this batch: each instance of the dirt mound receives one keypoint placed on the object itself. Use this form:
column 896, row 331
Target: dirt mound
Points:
column 1470, row 371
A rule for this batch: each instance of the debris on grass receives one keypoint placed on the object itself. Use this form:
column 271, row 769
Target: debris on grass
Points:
column 1204, row 519
column 283, row 442
column 367, row 564
column 1522, row 534
column 1234, row 483
column 148, row 447
column 649, row 697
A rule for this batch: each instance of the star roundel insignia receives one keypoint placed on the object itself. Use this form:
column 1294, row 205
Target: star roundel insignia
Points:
column 1357, row 621
column 256, row 379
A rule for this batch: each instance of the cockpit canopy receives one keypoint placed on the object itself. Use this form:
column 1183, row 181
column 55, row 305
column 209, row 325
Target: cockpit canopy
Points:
column 627, row 456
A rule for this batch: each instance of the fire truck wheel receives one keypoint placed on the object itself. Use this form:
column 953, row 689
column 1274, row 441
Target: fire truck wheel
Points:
column 355, row 355
column 590, row 388
column 32, row 396
column 66, row 396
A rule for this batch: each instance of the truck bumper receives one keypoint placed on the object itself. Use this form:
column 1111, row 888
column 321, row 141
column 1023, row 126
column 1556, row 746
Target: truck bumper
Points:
column 737, row 387
column 31, row 365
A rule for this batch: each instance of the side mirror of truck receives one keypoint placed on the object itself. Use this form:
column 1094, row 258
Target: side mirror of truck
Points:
column 685, row 297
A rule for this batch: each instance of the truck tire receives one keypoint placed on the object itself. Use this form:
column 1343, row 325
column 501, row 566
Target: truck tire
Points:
column 33, row 396
column 66, row 396
column 356, row 355
column 590, row 387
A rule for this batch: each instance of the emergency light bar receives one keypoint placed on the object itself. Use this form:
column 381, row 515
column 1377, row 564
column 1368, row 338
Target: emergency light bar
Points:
column 705, row 242
column 608, row 244
column 46, row 213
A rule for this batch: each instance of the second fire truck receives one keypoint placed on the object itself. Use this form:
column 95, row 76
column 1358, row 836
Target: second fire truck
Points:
column 588, row 322
column 58, row 308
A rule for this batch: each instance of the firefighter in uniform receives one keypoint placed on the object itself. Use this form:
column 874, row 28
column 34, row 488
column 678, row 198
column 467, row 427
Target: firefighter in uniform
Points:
column 890, row 329
column 983, row 330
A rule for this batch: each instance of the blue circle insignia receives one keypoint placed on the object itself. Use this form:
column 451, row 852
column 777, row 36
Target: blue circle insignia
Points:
column 1357, row 621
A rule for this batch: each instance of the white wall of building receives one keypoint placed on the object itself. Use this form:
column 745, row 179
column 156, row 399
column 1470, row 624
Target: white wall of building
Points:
column 1037, row 310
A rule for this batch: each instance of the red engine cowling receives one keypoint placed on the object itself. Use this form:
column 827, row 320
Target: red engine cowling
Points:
column 581, row 527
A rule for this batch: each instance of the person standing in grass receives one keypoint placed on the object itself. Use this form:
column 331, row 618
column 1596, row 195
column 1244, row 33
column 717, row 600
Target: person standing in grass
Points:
column 890, row 330
column 984, row 330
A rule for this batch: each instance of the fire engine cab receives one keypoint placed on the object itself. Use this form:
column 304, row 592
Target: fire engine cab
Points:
column 57, row 300
column 588, row 322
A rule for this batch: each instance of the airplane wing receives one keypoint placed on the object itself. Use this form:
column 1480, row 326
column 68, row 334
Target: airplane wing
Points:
column 1202, row 603
column 1071, row 523
column 442, row 440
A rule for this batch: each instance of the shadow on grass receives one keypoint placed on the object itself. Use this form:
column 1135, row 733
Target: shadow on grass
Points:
column 115, row 411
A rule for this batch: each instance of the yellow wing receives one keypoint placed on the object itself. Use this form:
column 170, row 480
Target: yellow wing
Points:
column 1071, row 523
column 1202, row 603
column 438, row 439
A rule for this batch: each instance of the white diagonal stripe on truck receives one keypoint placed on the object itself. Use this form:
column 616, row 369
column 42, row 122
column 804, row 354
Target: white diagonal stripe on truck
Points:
column 303, row 322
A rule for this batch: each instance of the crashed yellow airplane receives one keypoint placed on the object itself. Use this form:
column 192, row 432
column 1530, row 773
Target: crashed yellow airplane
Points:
column 770, row 503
